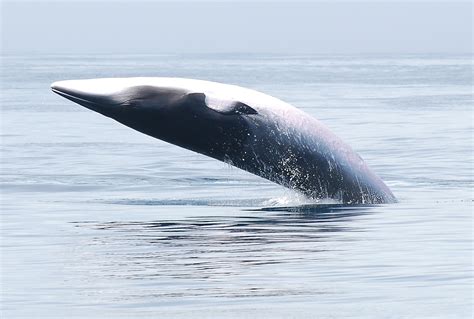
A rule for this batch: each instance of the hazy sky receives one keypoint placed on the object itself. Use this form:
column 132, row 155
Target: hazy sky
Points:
column 225, row 26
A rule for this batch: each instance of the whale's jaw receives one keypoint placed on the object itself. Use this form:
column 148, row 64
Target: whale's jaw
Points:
column 97, row 102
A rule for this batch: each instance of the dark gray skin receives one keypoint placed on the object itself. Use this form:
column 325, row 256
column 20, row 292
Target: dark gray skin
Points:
column 306, row 157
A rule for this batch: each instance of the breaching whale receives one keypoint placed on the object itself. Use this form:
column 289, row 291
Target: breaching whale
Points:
column 245, row 128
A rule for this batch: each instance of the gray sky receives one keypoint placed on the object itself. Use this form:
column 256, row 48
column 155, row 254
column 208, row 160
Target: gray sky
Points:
column 225, row 26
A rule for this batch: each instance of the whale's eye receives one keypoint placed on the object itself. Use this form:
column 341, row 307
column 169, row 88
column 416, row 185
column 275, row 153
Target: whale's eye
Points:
column 131, row 104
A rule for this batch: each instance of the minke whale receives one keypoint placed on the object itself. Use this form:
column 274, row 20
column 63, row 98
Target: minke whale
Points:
column 242, row 127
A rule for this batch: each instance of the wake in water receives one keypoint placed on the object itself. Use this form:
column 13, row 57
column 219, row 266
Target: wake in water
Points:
column 288, row 198
column 290, row 202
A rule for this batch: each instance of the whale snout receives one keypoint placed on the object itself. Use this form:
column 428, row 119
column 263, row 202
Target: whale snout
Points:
column 112, row 96
column 69, row 91
column 81, row 92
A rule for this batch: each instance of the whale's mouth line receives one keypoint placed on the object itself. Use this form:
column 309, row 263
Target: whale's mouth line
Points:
column 86, row 103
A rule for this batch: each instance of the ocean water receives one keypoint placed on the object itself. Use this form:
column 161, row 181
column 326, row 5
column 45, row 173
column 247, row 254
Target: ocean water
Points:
column 100, row 221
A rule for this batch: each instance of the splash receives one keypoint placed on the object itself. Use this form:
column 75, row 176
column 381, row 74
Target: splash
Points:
column 296, row 199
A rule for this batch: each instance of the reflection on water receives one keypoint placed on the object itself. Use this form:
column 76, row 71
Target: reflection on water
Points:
column 225, row 254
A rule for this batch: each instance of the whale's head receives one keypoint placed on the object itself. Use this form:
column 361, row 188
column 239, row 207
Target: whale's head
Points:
column 184, row 112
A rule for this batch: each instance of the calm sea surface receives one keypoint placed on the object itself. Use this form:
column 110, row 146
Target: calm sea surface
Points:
column 98, row 220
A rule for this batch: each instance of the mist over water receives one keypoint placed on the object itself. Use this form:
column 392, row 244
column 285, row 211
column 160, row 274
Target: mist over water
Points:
column 98, row 220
